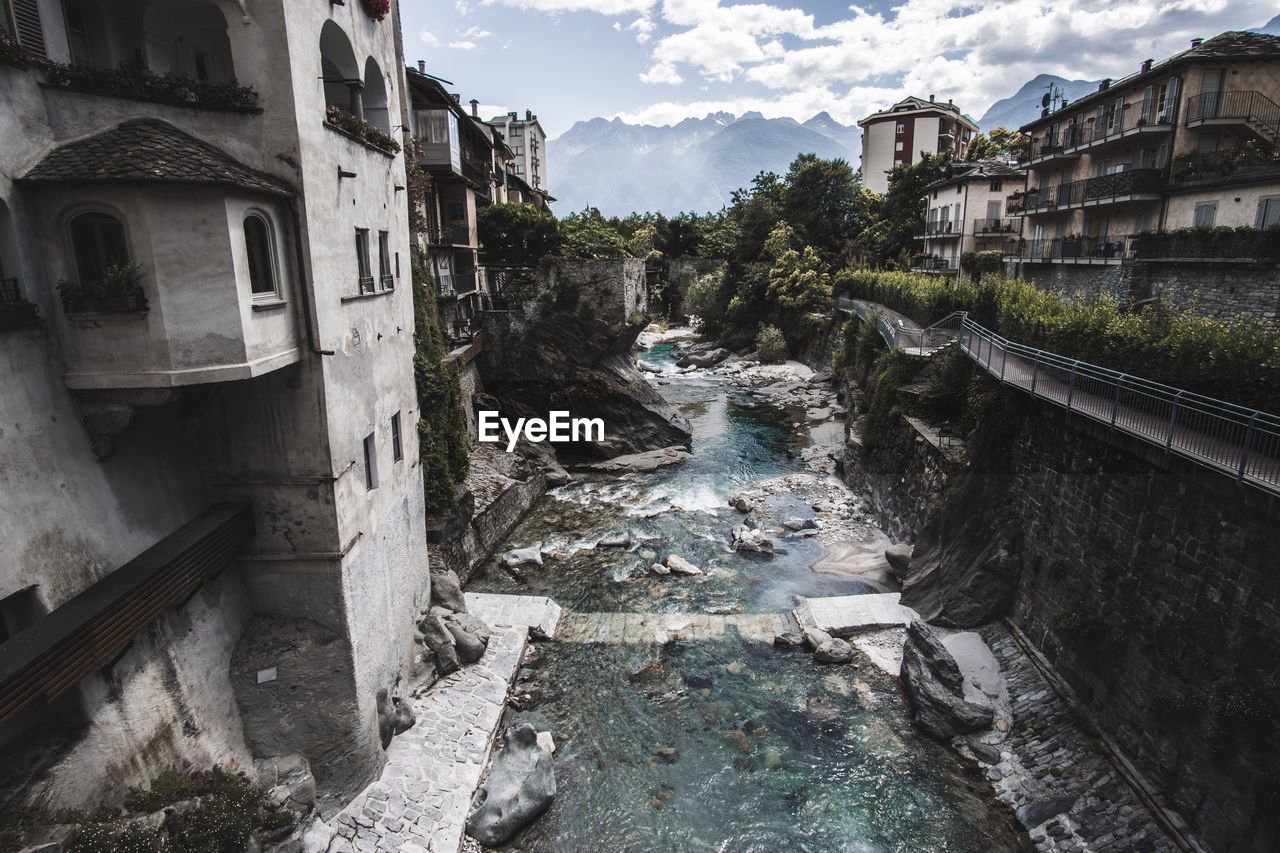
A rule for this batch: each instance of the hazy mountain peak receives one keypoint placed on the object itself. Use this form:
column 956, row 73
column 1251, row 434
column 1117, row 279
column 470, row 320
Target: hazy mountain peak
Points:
column 1271, row 28
column 1024, row 105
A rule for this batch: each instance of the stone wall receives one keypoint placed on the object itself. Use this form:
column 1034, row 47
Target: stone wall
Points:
column 1221, row 290
column 1148, row 582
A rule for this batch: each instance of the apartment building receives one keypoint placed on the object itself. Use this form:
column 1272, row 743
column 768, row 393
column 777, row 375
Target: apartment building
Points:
column 1187, row 142
column 211, row 507
column 528, row 143
column 967, row 213
column 905, row 131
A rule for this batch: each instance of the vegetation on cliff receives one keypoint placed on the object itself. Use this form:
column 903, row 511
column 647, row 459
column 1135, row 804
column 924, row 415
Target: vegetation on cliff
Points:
column 442, row 428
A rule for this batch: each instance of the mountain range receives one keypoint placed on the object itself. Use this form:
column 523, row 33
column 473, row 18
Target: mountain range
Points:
column 1271, row 28
column 1024, row 105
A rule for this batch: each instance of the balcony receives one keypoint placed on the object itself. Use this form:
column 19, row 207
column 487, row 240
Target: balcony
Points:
column 932, row 264
column 455, row 234
column 1138, row 120
column 1115, row 188
column 15, row 311
column 996, row 227
column 1209, row 245
column 1250, row 162
column 1252, row 111
column 1070, row 250
column 943, row 228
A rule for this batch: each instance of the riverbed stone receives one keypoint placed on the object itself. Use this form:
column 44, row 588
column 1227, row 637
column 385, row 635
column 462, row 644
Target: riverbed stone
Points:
column 1037, row 812
column 899, row 559
column 641, row 463
column 521, row 785
column 469, row 642
column 833, row 650
column 788, row 640
column 680, row 566
column 615, row 540
column 524, row 556
column 935, row 688
column 751, row 539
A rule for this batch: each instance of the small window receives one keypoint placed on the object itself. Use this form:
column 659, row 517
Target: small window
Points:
column 97, row 244
column 1269, row 212
column 397, row 447
column 1205, row 214
column 902, row 128
column 897, row 146
column 370, row 463
column 362, row 260
column 261, row 251
column 996, row 186
column 385, row 280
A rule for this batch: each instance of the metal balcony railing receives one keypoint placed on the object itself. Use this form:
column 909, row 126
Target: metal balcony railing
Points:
column 1208, row 244
column 932, row 263
column 943, row 228
column 1098, row 129
column 1117, row 186
column 1232, row 440
column 996, row 226
column 1250, row 108
column 1071, row 249
column 1208, row 166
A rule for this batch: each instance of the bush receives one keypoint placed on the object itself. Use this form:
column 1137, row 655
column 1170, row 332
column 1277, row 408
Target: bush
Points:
column 770, row 345
column 442, row 428
column 705, row 300
column 894, row 369
column 516, row 235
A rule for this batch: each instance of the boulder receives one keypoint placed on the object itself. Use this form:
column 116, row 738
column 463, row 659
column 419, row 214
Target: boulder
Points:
column 520, row 786
column 524, row 556
column 654, row 670
column 751, row 539
column 788, row 640
column 833, row 650
column 615, row 540
column 641, row 463
column 446, row 591
column 659, row 569
column 394, row 717
column 899, row 559
column 740, row 503
column 680, row 566
column 798, row 523
column 703, row 360
column 287, row 781
column 470, row 636
column 935, row 688
column 667, row 754
column 1037, row 812
column 439, row 641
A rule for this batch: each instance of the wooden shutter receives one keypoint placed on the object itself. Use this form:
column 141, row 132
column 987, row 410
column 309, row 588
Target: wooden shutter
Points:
column 26, row 20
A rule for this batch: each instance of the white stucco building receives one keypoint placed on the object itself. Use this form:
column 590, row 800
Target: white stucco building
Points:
column 210, row 501
column 898, row 136
column 528, row 143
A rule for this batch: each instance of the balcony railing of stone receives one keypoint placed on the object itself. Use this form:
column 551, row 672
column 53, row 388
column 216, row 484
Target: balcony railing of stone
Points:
column 1252, row 108
column 1221, row 244
column 996, row 226
column 1071, row 249
column 1209, row 166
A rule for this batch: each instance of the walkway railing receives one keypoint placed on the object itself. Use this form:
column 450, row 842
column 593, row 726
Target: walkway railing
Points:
column 1232, row 440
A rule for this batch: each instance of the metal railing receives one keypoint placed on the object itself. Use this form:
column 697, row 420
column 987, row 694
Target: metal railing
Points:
column 1208, row 244
column 1097, row 129
column 932, row 263
column 1092, row 191
column 1232, row 440
column 1211, row 166
column 1251, row 108
column 943, row 228
column 996, row 226
column 1074, row 249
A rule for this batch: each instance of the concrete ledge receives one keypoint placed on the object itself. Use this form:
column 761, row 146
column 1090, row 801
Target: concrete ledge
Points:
column 845, row 615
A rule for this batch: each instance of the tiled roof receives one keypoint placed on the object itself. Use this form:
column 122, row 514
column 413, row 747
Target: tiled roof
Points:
column 1229, row 45
column 150, row 150
column 979, row 170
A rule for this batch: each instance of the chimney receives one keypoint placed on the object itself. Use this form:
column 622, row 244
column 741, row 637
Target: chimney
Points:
column 949, row 103
column 422, row 66
column 475, row 108
column 528, row 115
column 512, row 115
column 457, row 99
column 1197, row 42
column 1146, row 66
column 1105, row 84
column 931, row 99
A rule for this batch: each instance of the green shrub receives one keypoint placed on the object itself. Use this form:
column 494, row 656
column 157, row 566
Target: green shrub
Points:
column 706, row 301
column 442, row 427
column 894, row 369
column 770, row 345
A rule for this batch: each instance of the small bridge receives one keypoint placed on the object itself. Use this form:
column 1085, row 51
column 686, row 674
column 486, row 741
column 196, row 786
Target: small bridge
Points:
column 1232, row 440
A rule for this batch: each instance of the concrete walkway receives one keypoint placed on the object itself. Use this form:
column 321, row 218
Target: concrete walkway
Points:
column 662, row 627
column 421, row 800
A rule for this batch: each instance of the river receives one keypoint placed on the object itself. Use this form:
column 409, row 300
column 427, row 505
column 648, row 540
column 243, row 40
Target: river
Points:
column 729, row 743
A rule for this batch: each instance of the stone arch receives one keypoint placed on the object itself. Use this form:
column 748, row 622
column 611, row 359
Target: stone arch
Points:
column 375, row 96
column 188, row 36
column 339, row 69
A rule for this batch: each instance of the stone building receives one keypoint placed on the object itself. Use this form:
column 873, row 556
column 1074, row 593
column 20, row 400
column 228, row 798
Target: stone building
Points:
column 211, row 505
column 899, row 135
column 966, row 213
column 528, row 143
column 1117, row 179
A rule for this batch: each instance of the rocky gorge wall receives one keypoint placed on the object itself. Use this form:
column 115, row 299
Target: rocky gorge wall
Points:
column 1149, row 584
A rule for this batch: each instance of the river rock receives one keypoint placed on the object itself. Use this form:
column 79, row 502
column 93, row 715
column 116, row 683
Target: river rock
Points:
column 797, row 523
column 899, row 559
column 439, row 641
column 524, row 556
column 615, row 540
column 833, row 650
column 659, row 569
column 642, row 463
column 935, row 687
column 704, row 360
column 788, row 640
column 520, row 786
column 740, row 503
column 394, row 717
column 446, row 591
column 1037, row 812
column 470, row 636
column 751, row 539
column 654, row 670
column 648, row 367
column 737, row 739
column 667, row 754
column 680, row 566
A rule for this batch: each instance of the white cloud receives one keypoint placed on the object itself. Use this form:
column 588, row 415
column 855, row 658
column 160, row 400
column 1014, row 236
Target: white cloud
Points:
column 604, row 7
column 846, row 108
column 463, row 45
column 475, row 33
column 642, row 26
column 429, row 38
column 661, row 73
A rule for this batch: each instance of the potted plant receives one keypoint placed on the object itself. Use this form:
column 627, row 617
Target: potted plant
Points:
column 117, row 292
column 18, row 314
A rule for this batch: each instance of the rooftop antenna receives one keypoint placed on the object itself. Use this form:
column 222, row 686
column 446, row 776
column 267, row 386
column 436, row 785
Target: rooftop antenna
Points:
column 1052, row 100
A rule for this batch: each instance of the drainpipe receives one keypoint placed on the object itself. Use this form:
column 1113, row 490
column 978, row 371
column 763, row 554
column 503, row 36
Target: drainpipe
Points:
column 304, row 284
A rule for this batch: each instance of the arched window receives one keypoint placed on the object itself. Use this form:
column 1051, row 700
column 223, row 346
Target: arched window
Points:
column 97, row 243
column 260, row 248
column 375, row 97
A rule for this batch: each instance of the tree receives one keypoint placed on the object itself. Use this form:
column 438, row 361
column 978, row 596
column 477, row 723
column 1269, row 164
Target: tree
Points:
column 820, row 201
column 1001, row 142
column 902, row 207
column 800, row 281
column 516, row 234
column 589, row 235
column 442, row 429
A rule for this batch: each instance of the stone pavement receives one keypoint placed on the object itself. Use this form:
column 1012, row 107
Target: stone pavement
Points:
column 1047, row 754
column 421, row 800
column 662, row 627
column 844, row 615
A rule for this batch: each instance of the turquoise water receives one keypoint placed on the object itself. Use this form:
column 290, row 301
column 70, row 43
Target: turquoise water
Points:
column 774, row 751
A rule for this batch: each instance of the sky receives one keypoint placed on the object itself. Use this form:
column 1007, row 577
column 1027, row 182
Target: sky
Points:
column 660, row 61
